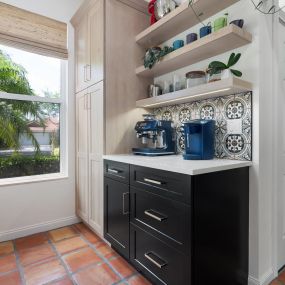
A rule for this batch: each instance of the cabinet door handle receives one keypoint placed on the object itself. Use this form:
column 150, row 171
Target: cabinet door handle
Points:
column 152, row 181
column 114, row 170
column 155, row 215
column 124, row 204
column 153, row 258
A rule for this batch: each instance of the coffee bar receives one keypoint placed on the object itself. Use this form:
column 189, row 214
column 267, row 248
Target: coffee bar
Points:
column 193, row 142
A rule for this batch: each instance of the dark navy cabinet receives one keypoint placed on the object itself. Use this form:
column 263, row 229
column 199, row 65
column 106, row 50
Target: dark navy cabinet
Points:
column 117, row 207
column 180, row 229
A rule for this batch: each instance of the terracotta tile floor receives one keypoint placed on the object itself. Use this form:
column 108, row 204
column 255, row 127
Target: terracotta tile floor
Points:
column 66, row 256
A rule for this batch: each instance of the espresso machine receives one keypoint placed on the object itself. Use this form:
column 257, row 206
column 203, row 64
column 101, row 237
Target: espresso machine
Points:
column 199, row 139
column 157, row 137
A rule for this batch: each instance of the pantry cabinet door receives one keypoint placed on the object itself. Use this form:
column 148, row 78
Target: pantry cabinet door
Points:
column 82, row 156
column 95, row 68
column 81, row 54
column 96, row 150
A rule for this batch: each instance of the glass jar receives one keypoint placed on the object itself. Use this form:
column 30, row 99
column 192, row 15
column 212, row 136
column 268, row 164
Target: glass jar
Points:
column 195, row 78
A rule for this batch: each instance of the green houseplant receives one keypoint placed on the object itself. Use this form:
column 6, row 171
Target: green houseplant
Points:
column 217, row 67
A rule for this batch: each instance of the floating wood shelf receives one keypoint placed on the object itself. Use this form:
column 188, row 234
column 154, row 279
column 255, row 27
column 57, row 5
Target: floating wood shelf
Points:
column 214, row 89
column 224, row 40
column 181, row 19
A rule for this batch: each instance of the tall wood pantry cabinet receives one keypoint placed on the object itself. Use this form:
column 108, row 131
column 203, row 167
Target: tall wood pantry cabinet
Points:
column 107, row 88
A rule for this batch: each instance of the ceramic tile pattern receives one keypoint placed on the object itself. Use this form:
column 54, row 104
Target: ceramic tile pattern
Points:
column 233, row 116
column 70, row 255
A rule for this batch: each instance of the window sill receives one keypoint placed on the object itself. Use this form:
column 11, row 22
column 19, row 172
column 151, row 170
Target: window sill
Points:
column 32, row 179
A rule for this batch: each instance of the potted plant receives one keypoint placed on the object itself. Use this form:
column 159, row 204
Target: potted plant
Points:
column 226, row 71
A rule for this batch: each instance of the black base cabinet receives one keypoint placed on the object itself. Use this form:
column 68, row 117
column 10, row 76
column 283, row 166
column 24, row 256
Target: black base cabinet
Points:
column 179, row 229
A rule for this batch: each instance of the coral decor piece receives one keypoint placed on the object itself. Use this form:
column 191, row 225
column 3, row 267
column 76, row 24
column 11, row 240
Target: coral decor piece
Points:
column 151, row 10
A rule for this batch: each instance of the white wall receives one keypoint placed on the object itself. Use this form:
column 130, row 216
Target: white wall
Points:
column 38, row 206
column 256, row 65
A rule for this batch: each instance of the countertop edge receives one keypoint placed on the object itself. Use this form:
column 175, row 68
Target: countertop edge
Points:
column 123, row 158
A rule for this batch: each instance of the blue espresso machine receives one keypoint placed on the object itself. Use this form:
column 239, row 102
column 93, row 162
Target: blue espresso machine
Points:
column 199, row 139
column 156, row 136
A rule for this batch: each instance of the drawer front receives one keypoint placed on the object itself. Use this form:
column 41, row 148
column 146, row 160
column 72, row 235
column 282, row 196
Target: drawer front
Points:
column 117, row 170
column 167, row 217
column 172, row 185
column 163, row 264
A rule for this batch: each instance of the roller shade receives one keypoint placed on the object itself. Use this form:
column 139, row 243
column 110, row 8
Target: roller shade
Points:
column 32, row 32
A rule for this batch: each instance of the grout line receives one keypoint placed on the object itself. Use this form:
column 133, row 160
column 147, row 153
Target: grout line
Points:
column 19, row 265
column 107, row 261
column 59, row 256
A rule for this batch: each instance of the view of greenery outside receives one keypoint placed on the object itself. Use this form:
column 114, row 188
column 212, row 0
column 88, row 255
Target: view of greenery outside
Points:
column 20, row 120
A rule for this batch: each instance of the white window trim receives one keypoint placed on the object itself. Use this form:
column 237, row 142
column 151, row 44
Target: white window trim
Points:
column 63, row 101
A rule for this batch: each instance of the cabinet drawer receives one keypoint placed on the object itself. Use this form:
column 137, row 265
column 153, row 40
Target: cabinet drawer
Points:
column 172, row 185
column 163, row 264
column 117, row 170
column 164, row 216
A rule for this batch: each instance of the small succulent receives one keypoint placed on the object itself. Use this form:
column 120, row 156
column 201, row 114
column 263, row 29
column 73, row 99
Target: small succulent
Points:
column 216, row 67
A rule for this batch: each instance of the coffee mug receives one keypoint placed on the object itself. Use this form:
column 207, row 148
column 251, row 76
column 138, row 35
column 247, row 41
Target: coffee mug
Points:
column 220, row 23
column 178, row 44
column 191, row 38
column 205, row 31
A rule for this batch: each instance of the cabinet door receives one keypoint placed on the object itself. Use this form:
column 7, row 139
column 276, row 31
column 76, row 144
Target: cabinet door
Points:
column 116, row 215
column 81, row 54
column 82, row 155
column 96, row 149
column 96, row 43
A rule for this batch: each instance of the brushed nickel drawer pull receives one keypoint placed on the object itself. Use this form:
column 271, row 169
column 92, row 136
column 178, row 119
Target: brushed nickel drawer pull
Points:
column 151, row 257
column 155, row 215
column 124, row 211
column 113, row 171
column 152, row 181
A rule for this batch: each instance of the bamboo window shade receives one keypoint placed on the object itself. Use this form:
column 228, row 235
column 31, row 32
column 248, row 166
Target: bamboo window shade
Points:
column 32, row 32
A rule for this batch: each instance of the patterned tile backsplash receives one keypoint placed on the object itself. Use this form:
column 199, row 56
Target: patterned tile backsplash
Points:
column 233, row 116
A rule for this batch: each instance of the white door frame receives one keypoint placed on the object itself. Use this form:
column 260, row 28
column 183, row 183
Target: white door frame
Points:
column 277, row 143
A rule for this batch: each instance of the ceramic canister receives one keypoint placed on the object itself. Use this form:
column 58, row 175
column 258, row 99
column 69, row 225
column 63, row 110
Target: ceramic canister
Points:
column 220, row 23
column 191, row 38
column 205, row 31
column 178, row 44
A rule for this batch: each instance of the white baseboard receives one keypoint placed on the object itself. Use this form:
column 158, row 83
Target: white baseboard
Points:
column 265, row 279
column 37, row 228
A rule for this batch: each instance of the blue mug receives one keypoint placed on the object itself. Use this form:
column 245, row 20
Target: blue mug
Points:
column 191, row 38
column 205, row 31
column 178, row 44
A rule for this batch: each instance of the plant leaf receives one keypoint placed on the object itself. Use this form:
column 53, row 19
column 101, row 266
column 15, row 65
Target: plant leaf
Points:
column 234, row 58
column 217, row 64
column 236, row 72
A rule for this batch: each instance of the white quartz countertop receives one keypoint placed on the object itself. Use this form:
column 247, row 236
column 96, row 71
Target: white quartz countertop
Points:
column 176, row 163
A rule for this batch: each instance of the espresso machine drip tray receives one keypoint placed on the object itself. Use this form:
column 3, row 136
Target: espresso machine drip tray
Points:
column 151, row 152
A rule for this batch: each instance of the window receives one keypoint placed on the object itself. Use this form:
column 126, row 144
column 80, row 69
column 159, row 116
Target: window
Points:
column 31, row 113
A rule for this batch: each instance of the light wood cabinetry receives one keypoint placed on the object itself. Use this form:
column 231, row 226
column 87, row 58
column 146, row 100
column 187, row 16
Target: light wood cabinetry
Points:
column 89, row 46
column 90, row 139
column 82, row 154
column 107, row 90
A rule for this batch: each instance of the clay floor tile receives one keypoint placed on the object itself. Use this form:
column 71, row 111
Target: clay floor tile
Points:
column 69, row 245
column 62, row 233
column 81, row 259
column 44, row 272
column 97, row 275
column 8, row 263
column 31, row 241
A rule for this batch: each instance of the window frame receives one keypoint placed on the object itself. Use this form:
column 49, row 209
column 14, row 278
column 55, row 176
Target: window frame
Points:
column 63, row 102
